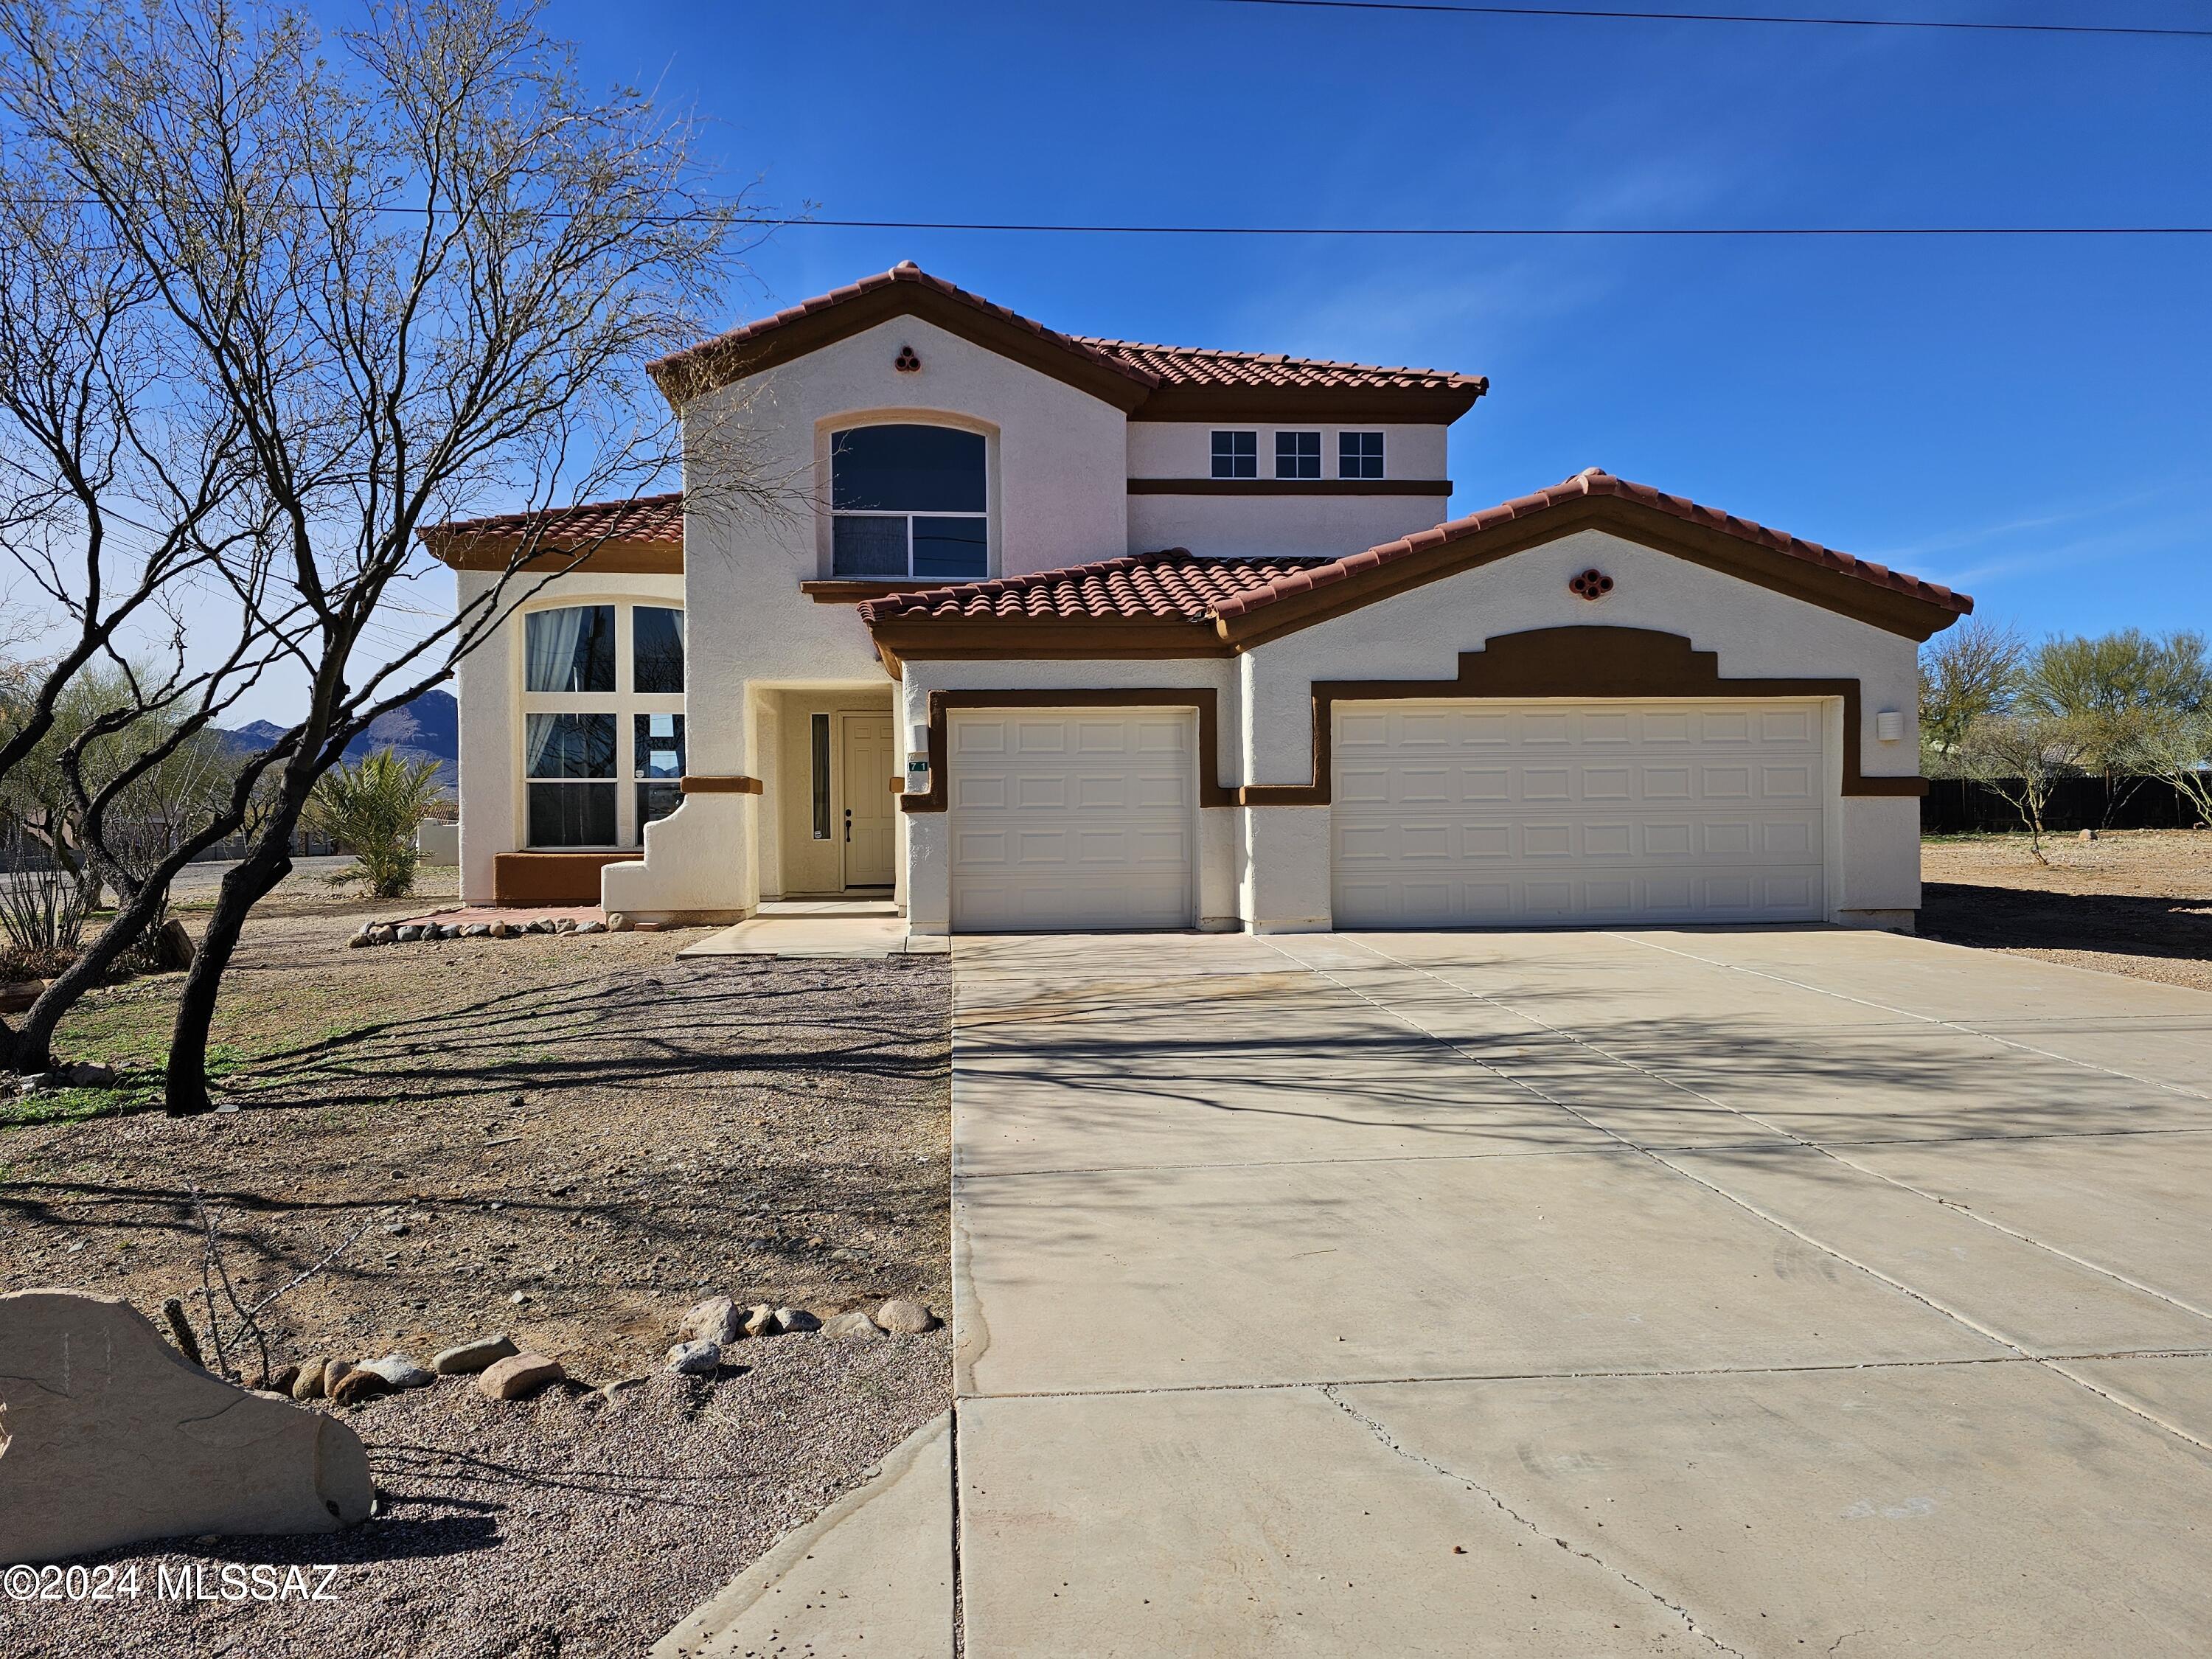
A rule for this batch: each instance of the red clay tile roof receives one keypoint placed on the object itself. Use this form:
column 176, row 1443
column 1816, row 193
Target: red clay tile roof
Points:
column 1200, row 366
column 905, row 272
column 1174, row 585
column 1595, row 480
column 1180, row 585
column 656, row 520
column 1134, row 369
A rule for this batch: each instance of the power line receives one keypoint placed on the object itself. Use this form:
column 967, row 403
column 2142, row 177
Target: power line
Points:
column 1500, row 231
column 1956, row 24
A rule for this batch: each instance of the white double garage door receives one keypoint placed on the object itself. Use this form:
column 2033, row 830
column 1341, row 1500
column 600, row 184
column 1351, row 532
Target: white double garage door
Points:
column 1449, row 814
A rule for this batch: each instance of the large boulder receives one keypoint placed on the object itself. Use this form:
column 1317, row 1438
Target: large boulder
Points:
column 111, row 1436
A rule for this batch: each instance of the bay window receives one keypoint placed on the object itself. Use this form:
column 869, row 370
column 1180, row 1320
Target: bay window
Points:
column 602, row 700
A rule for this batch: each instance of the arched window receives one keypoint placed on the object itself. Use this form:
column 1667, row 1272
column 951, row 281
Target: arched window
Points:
column 908, row 501
column 602, row 700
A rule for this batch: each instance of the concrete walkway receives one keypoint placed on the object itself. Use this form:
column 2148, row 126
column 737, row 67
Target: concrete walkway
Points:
column 1574, row 1294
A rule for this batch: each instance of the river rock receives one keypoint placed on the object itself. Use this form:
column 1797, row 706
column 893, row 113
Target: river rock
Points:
column 400, row 1371
column 359, row 1385
column 308, row 1383
column 518, row 1375
column 715, row 1319
column 468, row 1359
column 115, row 1437
column 907, row 1318
column 789, row 1319
column 856, row 1325
column 700, row 1358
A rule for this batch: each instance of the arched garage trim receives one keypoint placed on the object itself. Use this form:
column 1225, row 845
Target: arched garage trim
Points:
column 1576, row 662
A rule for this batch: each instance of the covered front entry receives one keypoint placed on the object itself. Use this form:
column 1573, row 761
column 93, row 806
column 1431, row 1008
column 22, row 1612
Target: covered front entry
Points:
column 1072, row 819
column 1477, row 812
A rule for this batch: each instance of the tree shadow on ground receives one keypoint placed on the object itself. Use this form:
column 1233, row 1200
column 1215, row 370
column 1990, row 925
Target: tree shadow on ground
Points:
column 2011, row 918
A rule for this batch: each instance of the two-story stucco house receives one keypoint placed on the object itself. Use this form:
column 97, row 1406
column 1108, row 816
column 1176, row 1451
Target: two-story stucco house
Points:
column 1079, row 633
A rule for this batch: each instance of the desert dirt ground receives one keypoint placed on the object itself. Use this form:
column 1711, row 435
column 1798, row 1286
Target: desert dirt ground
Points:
column 569, row 1139
column 2135, row 902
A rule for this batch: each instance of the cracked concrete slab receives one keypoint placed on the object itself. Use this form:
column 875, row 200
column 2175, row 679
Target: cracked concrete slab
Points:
column 1978, row 1509
column 1552, row 1221
column 1254, row 1525
column 1307, row 1272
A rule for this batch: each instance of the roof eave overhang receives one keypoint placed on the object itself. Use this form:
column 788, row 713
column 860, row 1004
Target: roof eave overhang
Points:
column 717, row 363
column 1405, row 406
column 615, row 557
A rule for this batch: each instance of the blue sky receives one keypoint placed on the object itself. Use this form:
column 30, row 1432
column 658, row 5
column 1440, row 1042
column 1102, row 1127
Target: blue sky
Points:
column 2027, row 419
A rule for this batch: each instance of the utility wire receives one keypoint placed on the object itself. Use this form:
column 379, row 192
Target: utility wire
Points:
column 1584, row 13
column 1497, row 230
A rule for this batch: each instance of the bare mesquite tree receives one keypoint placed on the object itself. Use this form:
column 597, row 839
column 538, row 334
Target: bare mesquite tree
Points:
column 420, row 273
column 1967, row 672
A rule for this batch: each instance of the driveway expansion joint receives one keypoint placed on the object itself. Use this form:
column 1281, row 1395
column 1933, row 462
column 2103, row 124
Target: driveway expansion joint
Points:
column 1391, row 1443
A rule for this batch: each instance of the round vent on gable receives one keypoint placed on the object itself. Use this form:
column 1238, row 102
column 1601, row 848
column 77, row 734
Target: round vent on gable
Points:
column 1590, row 585
column 906, row 362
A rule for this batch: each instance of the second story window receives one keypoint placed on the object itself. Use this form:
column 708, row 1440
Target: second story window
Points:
column 1297, row 454
column 908, row 501
column 1359, row 454
column 1235, row 454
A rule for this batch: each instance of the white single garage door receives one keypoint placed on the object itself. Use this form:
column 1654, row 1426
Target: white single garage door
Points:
column 1072, row 819
column 1496, row 814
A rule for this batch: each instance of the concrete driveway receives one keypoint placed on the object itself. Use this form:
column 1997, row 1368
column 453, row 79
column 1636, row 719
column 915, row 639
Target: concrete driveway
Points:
column 1762, row 1293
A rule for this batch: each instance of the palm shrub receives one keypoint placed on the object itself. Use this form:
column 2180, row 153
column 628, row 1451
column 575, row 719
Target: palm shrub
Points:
column 370, row 808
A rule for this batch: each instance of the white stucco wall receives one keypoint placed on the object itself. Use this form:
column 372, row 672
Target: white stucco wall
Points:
column 488, row 689
column 1184, row 449
column 1259, row 526
column 1058, row 494
column 1419, row 635
column 1254, row 526
column 1268, row 866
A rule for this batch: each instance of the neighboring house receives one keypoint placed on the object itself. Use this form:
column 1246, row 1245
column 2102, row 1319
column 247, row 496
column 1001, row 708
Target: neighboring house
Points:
column 1079, row 633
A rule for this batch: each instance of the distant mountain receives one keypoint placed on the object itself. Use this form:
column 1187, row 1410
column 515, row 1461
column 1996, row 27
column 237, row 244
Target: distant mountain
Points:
column 428, row 728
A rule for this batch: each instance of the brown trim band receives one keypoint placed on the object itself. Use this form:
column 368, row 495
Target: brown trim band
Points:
column 695, row 783
column 1318, row 405
column 609, row 559
column 844, row 590
column 1289, row 486
column 1204, row 698
column 1575, row 662
column 552, row 877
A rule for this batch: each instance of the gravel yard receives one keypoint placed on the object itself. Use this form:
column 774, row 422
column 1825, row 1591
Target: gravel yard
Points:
column 2136, row 902
column 583, row 1123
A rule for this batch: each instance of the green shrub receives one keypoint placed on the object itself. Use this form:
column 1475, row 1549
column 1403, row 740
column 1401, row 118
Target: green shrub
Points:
column 371, row 809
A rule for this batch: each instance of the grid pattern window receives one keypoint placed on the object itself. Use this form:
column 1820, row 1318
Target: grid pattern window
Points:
column 1359, row 454
column 908, row 501
column 1235, row 454
column 1297, row 454
column 603, row 701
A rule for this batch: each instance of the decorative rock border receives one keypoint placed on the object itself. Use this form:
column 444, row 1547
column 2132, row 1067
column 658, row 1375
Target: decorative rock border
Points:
column 410, row 932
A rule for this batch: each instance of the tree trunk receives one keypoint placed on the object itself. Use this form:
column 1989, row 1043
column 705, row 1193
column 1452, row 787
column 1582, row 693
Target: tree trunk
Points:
column 267, row 861
column 29, row 1048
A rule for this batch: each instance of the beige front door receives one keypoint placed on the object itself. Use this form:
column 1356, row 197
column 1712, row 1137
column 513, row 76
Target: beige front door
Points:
column 869, row 831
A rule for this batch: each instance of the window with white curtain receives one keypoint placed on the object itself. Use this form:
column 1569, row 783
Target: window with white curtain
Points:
column 602, row 700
